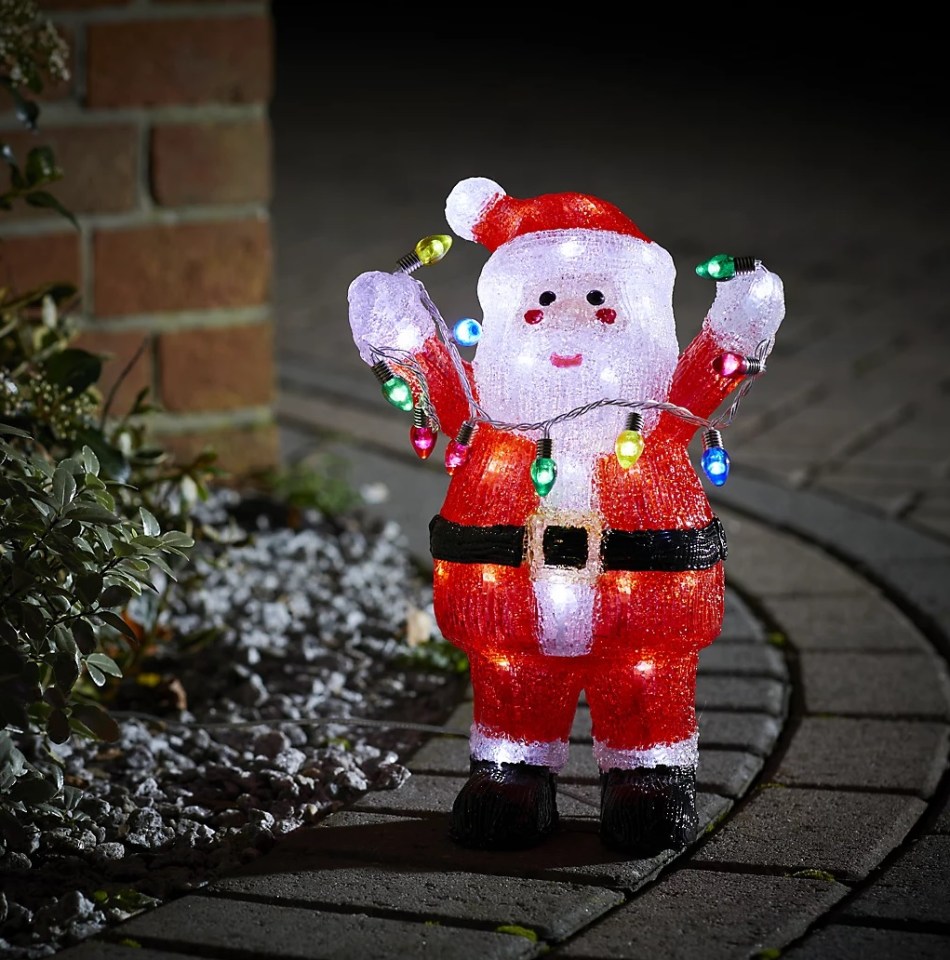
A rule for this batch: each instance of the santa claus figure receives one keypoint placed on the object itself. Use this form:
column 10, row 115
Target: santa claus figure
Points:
column 576, row 550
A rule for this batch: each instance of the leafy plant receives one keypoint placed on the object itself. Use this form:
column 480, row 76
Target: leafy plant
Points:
column 69, row 563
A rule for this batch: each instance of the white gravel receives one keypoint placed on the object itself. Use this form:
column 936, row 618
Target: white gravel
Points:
column 309, row 624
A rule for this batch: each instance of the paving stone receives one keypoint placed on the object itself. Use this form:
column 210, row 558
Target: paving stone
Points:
column 553, row 909
column 845, row 623
column 442, row 755
column 103, row 950
column 753, row 660
column 841, row 942
column 758, row 694
column 271, row 931
column 708, row 914
column 825, row 520
column 913, row 889
column 727, row 772
column 574, row 853
column 755, row 732
column 899, row 684
column 739, row 623
column 924, row 582
column 880, row 754
column 844, row 833
column 765, row 563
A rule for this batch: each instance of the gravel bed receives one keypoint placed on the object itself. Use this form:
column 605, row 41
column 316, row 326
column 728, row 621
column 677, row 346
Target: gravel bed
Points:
column 316, row 624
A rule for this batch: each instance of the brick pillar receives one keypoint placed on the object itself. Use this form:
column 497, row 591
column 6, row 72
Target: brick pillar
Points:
column 164, row 141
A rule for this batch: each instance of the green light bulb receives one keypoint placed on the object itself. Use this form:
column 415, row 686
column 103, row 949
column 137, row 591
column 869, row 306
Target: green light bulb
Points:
column 719, row 267
column 543, row 475
column 397, row 392
column 628, row 448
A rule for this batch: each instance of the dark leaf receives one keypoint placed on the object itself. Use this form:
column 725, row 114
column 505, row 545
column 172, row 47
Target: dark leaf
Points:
column 91, row 513
column 115, row 621
column 115, row 596
column 7, row 430
column 33, row 790
column 75, row 368
column 97, row 721
column 41, row 166
column 66, row 672
column 40, row 198
column 57, row 726
column 34, row 623
column 55, row 698
column 89, row 586
column 84, row 635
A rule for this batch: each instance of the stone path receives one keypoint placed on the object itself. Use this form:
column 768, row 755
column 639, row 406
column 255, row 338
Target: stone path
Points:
column 824, row 732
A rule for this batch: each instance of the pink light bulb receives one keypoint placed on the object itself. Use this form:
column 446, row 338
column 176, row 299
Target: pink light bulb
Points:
column 729, row 364
column 455, row 455
column 422, row 440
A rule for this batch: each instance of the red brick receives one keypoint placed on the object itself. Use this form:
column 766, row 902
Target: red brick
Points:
column 99, row 165
column 216, row 368
column 119, row 349
column 194, row 266
column 159, row 62
column 29, row 262
column 195, row 163
column 240, row 451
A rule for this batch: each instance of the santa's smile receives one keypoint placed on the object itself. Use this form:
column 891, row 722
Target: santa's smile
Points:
column 561, row 361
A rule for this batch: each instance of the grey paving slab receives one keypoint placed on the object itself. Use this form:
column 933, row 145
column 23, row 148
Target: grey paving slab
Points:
column 829, row 521
column 742, row 659
column 844, row 833
column 709, row 914
column 765, row 563
column 865, row 753
column 868, row 624
column 941, row 822
column 758, row 694
column 844, row 942
column 914, row 889
column 739, row 623
column 925, row 581
column 727, row 772
column 270, row 931
column 755, row 732
column 574, row 853
column 899, row 684
column 104, row 950
column 553, row 909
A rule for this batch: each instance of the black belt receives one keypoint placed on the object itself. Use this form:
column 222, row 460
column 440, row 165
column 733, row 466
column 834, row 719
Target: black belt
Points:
column 694, row 549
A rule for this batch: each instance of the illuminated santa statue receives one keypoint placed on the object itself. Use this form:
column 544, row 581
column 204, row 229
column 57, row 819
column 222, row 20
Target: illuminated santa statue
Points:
column 576, row 549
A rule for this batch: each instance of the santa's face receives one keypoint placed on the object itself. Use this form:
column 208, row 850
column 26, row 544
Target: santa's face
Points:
column 572, row 317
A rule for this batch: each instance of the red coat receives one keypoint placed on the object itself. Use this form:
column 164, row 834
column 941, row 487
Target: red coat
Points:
column 490, row 608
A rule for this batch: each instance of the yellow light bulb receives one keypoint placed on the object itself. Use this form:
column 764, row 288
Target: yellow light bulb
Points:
column 432, row 249
column 628, row 448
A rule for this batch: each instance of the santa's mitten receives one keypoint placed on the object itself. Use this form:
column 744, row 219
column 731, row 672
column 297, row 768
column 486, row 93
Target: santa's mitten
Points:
column 504, row 806
column 388, row 311
column 648, row 810
column 747, row 311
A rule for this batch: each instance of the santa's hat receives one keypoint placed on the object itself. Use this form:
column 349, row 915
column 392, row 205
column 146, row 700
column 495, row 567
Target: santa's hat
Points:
column 479, row 209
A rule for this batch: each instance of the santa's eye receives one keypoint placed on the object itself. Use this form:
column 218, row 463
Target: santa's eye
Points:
column 596, row 298
column 547, row 298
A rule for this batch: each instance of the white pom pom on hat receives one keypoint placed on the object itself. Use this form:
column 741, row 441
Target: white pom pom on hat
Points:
column 468, row 203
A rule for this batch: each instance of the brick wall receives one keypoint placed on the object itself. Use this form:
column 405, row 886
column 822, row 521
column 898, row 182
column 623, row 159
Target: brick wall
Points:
column 163, row 137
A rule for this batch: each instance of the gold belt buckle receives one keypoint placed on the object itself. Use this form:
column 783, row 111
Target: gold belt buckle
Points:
column 536, row 526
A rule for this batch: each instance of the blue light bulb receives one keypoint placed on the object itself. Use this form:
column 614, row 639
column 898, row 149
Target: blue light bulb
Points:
column 716, row 465
column 467, row 332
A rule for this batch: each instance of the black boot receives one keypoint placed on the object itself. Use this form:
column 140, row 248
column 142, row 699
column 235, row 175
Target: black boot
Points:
column 504, row 806
column 648, row 810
